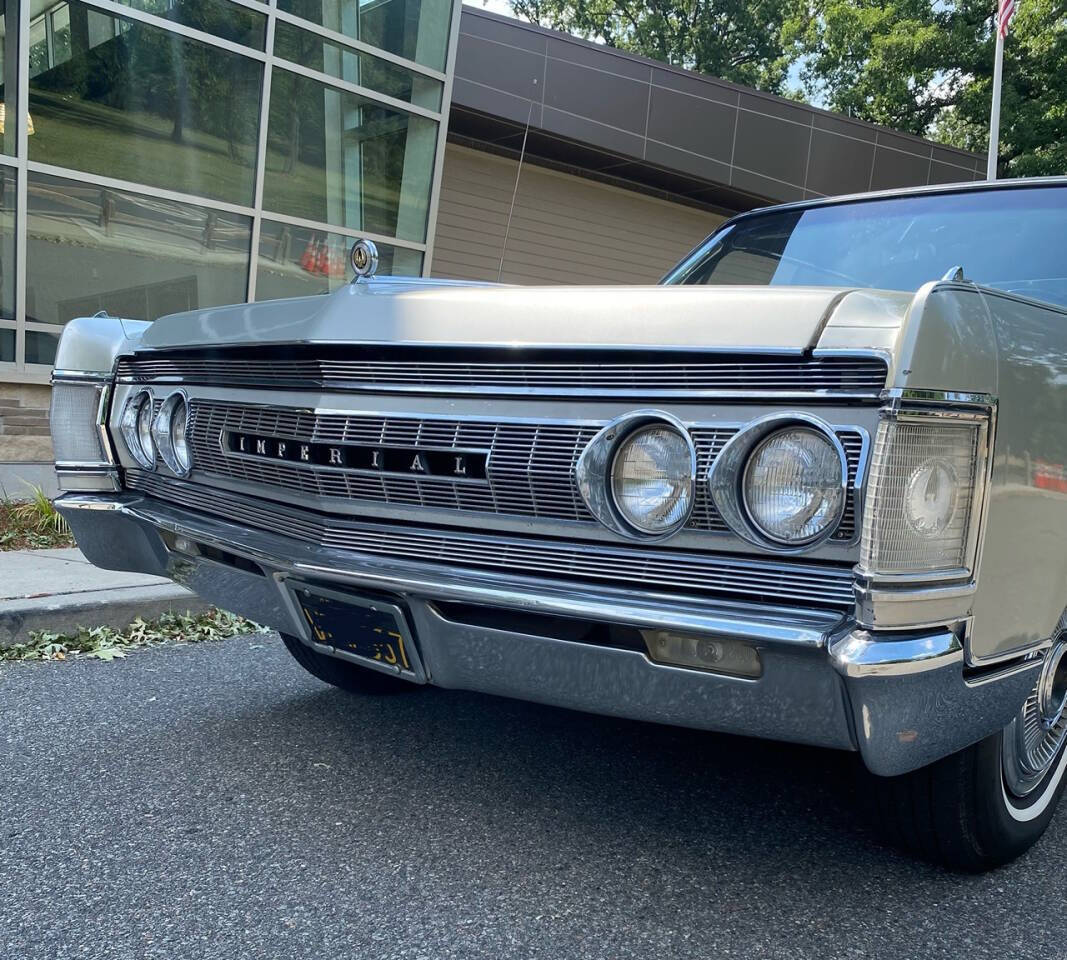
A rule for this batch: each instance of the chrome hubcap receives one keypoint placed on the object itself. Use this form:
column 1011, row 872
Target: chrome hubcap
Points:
column 1032, row 742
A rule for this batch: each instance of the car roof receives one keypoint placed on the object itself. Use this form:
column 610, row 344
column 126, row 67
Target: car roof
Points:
column 940, row 188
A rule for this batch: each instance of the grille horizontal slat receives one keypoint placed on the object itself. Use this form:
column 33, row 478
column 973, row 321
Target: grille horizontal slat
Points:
column 533, row 370
column 827, row 585
column 531, row 467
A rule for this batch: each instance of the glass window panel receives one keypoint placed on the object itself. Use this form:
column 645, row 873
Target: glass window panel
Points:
column 341, row 159
column 310, row 50
column 38, row 46
column 227, row 20
column 149, row 106
column 7, row 243
column 7, row 345
column 414, row 29
column 60, row 34
column 297, row 262
column 41, row 347
column 9, row 66
column 91, row 248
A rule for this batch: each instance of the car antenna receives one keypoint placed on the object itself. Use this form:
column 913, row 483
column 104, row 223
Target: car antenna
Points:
column 515, row 190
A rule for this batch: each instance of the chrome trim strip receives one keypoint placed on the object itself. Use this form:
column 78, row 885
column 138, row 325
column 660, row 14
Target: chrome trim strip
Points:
column 778, row 625
column 858, row 654
column 676, row 573
column 710, row 373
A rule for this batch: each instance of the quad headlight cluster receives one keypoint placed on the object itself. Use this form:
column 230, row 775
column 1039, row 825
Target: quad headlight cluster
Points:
column 151, row 434
column 779, row 482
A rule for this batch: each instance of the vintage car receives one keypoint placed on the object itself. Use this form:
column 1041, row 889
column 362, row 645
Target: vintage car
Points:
column 810, row 487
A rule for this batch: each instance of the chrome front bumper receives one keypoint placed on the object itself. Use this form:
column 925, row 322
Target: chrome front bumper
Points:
column 901, row 700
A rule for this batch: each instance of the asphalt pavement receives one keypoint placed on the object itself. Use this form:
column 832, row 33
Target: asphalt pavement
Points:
column 212, row 801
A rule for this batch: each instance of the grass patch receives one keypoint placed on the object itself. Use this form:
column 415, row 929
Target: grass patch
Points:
column 32, row 525
column 105, row 643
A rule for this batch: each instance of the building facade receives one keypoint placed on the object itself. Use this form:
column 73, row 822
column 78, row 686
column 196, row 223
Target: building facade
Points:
column 160, row 155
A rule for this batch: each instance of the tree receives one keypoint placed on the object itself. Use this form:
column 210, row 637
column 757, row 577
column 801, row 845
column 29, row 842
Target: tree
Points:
column 732, row 39
column 926, row 67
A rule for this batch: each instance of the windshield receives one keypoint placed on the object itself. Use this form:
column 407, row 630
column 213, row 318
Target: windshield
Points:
column 1014, row 239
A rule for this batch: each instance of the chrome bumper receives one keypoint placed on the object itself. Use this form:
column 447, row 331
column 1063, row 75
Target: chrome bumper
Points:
column 901, row 700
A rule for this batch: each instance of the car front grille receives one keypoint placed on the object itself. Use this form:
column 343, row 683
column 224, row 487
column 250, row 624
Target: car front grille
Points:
column 489, row 371
column 530, row 473
column 682, row 572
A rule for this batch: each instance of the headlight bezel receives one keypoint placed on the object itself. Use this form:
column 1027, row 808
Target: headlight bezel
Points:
column 726, row 477
column 128, row 428
column 163, row 433
column 595, row 466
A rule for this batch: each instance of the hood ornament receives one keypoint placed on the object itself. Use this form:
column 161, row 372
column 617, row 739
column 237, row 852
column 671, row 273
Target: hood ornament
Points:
column 364, row 259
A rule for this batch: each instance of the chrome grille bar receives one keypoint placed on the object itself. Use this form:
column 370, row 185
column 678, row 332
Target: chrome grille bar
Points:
column 688, row 573
column 612, row 373
column 530, row 470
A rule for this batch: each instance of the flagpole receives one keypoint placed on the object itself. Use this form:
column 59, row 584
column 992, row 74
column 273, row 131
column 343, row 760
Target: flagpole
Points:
column 994, row 113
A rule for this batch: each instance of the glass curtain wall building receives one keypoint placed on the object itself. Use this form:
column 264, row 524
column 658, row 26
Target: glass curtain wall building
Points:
column 162, row 155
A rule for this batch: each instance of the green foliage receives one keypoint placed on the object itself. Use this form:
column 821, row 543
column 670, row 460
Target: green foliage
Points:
column 732, row 39
column 32, row 525
column 105, row 643
column 926, row 67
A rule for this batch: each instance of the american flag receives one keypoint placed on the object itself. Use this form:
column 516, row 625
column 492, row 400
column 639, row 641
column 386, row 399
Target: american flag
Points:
column 1005, row 12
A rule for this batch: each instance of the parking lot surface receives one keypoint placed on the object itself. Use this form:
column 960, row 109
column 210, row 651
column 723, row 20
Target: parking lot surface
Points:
column 213, row 801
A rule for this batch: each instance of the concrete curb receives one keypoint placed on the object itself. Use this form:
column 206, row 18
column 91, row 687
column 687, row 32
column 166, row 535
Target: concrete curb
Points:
column 117, row 608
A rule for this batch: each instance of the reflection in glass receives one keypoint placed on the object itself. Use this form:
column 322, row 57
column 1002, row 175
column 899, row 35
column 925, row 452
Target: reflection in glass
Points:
column 7, row 243
column 310, row 50
column 92, row 248
column 220, row 17
column 339, row 158
column 414, row 29
column 139, row 103
column 7, row 345
column 9, row 67
column 41, row 346
column 297, row 262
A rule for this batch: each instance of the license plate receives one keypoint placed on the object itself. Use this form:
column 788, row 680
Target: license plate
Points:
column 371, row 631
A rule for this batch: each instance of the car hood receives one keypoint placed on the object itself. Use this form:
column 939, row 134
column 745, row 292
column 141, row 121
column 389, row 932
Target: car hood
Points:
column 756, row 319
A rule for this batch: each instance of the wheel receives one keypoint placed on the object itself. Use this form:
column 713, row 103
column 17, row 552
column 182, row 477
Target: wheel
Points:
column 984, row 806
column 341, row 673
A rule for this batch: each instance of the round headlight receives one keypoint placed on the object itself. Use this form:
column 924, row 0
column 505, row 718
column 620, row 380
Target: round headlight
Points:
column 652, row 479
column 171, row 434
column 793, row 486
column 930, row 498
column 136, row 427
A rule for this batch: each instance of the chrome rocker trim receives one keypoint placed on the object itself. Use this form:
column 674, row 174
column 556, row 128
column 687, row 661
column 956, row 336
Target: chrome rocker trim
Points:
column 902, row 701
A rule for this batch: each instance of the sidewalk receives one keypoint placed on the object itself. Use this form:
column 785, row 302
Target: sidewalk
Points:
column 59, row 590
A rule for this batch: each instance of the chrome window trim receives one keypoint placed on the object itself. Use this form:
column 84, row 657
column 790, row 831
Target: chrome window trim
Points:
column 726, row 477
column 596, row 467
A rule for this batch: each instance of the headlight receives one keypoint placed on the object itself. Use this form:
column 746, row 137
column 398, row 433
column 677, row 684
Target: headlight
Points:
column 927, row 475
column 793, row 487
column 171, row 434
column 137, row 429
column 652, row 479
